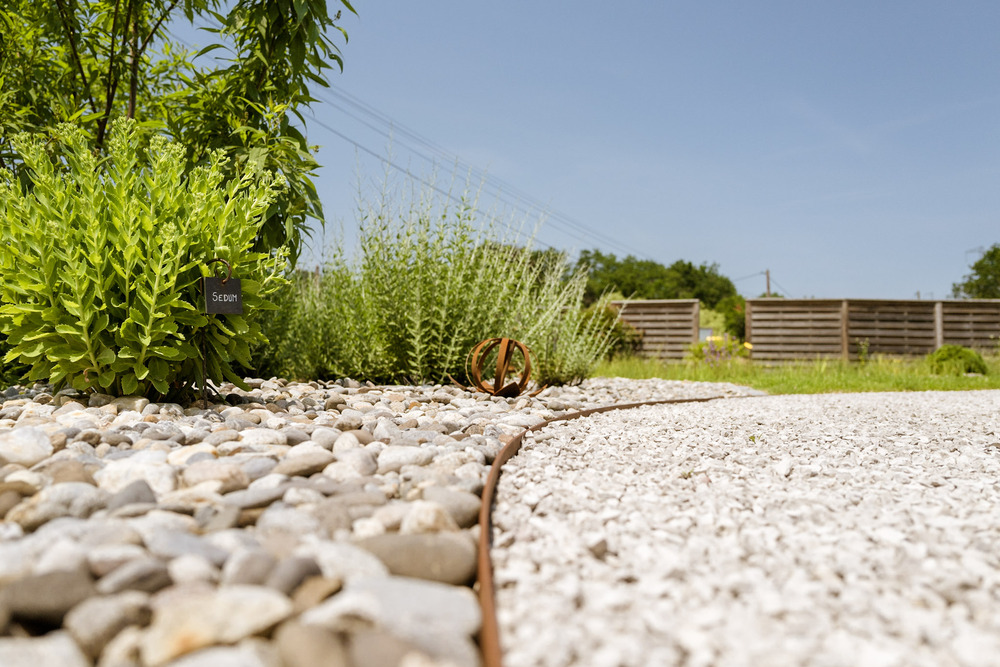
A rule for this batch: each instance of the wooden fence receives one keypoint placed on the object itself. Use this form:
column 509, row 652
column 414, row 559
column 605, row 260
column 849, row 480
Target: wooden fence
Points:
column 789, row 329
column 667, row 326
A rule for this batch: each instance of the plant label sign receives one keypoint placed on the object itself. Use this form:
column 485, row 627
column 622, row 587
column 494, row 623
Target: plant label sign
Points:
column 223, row 297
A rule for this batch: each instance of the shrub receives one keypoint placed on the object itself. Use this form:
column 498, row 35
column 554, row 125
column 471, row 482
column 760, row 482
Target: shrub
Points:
column 711, row 319
column 624, row 339
column 102, row 263
column 717, row 350
column 956, row 360
column 733, row 309
column 428, row 282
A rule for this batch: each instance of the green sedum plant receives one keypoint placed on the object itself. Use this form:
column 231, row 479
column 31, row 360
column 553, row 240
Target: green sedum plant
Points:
column 102, row 261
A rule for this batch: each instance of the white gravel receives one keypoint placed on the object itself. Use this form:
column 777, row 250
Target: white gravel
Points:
column 851, row 529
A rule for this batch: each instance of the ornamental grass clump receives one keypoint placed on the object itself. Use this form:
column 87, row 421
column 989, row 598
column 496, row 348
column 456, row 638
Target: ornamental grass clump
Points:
column 102, row 259
column 429, row 281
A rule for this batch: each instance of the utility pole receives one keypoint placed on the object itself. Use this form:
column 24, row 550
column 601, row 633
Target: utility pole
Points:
column 768, row 274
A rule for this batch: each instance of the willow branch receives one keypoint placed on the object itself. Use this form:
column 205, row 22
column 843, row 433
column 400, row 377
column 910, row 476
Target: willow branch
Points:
column 133, row 83
column 109, row 92
column 156, row 28
column 76, row 56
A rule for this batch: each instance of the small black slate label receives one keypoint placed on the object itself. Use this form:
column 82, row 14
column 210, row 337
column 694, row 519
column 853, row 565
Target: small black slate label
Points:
column 223, row 297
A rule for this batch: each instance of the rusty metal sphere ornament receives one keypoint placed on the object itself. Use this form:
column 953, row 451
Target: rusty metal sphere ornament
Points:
column 506, row 347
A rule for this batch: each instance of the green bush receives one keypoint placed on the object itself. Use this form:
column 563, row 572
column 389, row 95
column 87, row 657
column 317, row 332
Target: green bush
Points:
column 427, row 283
column 624, row 340
column 956, row 360
column 733, row 309
column 102, row 261
column 711, row 319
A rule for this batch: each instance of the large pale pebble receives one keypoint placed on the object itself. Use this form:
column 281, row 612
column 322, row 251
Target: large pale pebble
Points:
column 131, row 403
column 262, row 436
column 341, row 471
column 25, row 482
column 25, row 446
column 126, row 418
column 95, row 621
column 248, row 565
column 251, row 652
column 64, row 554
column 74, row 499
column 325, row 436
column 446, row 557
column 56, row 648
column 123, row 649
column 179, row 457
column 118, row 474
column 304, row 460
column 309, row 646
column 346, row 441
column 278, row 520
column 464, row 507
column 195, row 619
column 394, row 457
column 231, row 476
column 104, row 558
column 425, row 516
column 360, row 459
column 439, row 618
column 189, row 568
column 342, row 561
column 172, row 544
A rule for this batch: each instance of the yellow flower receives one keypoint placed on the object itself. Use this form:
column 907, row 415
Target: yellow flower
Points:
column 748, row 346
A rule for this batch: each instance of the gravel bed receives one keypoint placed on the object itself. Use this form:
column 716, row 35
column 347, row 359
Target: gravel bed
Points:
column 296, row 524
column 840, row 530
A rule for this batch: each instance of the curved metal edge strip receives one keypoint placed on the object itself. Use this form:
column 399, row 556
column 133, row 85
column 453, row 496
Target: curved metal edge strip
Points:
column 489, row 634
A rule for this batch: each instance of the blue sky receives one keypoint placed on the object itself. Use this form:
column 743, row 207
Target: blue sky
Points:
column 852, row 148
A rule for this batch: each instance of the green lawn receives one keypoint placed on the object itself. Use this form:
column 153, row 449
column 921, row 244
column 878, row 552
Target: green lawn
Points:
column 820, row 376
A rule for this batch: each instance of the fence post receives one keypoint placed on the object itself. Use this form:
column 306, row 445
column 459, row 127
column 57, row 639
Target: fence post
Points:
column 938, row 324
column 747, row 328
column 845, row 344
column 696, row 316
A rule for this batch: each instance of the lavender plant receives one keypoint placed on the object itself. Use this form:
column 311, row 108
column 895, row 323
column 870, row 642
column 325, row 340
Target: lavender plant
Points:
column 429, row 280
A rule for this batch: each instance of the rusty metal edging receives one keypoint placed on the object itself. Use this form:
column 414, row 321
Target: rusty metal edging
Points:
column 489, row 634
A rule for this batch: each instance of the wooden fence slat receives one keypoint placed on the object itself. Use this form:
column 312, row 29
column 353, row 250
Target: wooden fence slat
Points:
column 667, row 326
column 797, row 329
column 787, row 329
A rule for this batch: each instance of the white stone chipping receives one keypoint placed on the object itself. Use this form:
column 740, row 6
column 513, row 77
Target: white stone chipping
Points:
column 832, row 530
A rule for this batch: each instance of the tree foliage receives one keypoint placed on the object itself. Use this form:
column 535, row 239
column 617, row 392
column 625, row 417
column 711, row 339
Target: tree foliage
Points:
column 89, row 61
column 984, row 281
column 646, row 279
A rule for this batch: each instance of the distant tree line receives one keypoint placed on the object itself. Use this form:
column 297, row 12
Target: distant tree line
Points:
column 645, row 279
column 984, row 281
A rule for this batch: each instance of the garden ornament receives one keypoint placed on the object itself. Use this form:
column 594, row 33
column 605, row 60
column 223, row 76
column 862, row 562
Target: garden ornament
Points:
column 505, row 353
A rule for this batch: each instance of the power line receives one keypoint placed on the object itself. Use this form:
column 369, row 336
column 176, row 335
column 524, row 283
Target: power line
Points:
column 399, row 168
column 502, row 191
column 787, row 293
column 501, row 188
